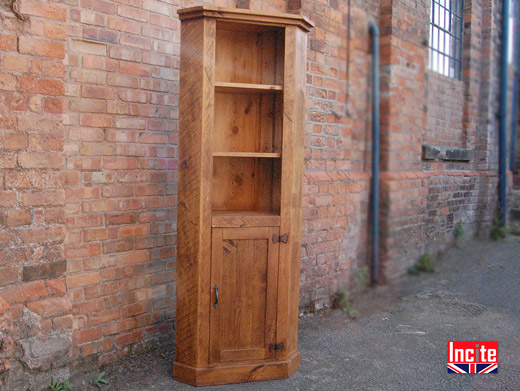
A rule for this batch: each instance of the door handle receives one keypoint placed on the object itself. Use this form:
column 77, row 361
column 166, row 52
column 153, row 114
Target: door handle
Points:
column 216, row 296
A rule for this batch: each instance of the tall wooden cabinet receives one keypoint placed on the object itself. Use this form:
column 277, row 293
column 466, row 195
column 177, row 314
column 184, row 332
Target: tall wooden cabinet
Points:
column 242, row 89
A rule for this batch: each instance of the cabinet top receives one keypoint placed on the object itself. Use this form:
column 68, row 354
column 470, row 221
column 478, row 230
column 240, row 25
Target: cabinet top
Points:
column 246, row 16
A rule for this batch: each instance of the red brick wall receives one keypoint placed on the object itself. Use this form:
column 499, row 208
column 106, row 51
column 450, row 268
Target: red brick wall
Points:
column 35, row 312
column 337, row 155
column 445, row 105
column 88, row 135
column 121, row 136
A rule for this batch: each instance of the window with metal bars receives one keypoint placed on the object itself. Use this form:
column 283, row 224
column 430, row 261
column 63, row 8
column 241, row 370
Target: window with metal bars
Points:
column 446, row 27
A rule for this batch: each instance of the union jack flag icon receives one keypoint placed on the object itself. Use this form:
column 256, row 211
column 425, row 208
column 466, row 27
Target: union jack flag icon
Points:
column 472, row 357
column 472, row 368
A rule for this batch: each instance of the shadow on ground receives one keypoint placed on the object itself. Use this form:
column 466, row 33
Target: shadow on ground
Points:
column 399, row 340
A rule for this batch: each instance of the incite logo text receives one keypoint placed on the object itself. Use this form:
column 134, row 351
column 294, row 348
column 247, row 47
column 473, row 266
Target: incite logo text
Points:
column 472, row 356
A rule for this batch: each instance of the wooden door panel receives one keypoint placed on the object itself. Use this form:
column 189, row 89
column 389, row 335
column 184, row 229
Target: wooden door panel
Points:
column 245, row 269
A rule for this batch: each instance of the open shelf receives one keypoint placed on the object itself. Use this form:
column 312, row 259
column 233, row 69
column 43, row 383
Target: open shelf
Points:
column 251, row 56
column 247, row 126
column 249, row 123
column 246, row 88
column 246, row 184
column 248, row 154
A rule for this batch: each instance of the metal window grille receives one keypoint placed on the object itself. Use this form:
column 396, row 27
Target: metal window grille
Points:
column 446, row 27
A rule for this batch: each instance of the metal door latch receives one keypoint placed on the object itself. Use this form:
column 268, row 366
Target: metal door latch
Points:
column 280, row 238
column 216, row 296
column 276, row 346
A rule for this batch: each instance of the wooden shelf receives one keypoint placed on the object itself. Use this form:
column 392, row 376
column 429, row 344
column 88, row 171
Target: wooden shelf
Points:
column 245, row 218
column 248, row 154
column 246, row 88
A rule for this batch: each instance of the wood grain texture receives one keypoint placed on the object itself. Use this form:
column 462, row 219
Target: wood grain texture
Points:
column 240, row 190
column 242, row 219
column 246, row 17
column 245, row 270
column 291, row 190
column 248, row 88
column 248, row 154
column 194, row 204
column 240, row 373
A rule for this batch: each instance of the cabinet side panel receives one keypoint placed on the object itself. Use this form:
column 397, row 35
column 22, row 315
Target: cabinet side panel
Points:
column 291, row 194
column 194, row 207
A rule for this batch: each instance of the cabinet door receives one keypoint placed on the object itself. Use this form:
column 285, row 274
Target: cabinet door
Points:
column 244, row 285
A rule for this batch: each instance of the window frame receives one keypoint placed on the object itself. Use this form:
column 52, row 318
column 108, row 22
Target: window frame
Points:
column 446, row 59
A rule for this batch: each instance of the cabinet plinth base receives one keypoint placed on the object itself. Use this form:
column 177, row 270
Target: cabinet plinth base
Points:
column 236, row 373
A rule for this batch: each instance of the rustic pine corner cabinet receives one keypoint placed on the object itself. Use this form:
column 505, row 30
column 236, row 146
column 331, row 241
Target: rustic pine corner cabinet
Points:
column 242, row 90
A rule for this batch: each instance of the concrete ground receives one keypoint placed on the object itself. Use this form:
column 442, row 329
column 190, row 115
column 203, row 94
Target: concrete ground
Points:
column 399, row 340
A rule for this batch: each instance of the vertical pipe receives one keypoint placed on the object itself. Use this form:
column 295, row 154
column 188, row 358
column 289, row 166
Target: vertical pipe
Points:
column 513, row 121
column 374, row 32
column 502, row 135
column 516, row 69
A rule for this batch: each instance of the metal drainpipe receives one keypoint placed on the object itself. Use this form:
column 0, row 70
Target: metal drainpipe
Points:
column 502, row 135
column 516, row 70
column 374, row 32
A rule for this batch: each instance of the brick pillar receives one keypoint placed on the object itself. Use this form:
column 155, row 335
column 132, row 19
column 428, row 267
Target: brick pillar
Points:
column 404, row 36
column 35, row 313
column 486, row 151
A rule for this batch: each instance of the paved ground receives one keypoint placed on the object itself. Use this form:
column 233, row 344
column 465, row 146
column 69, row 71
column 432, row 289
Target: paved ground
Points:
column 399, row 340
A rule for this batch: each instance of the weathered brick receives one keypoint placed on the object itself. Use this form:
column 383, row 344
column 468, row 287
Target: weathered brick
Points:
column 104, row 316
column 53, row 105
column 8, row 275
column 22, row 293
column 7, row 83
column 119, row 327
column 89, row 47
column 43, row 9
column 40, row 47
column 7, row 160
column 133, row 13
column 81, row 251
column 83, row 279
column 119, row 163
column 129, row 338
column 15, row 63
column 82, row 336
column 88, row 76
column 40, row 160
column 43, row 197
column 51, row 307
column 55, row 31
column 17, row 218
column 62, row 323
column 16, row 141
column 124, row 25
column 134, row 68
column 86, row 221
column 7, row 199
column 7, row 42
column 118, row 191
column 96, row 120
column 41, row 86
column 137, row 42
column 44, row 271
column 134, row 230
column 41, row 234
column 133, row 257
column 158, row 7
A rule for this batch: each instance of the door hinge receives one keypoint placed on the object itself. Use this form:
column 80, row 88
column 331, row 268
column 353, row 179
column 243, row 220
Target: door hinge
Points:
column 280, row 238
column 276, row 346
